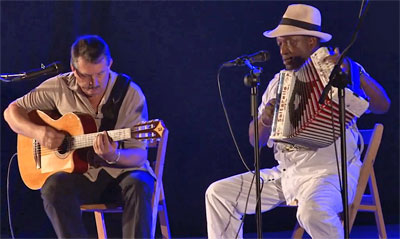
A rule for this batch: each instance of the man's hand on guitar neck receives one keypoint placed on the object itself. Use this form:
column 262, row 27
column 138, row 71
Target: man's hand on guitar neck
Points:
column 106, row 148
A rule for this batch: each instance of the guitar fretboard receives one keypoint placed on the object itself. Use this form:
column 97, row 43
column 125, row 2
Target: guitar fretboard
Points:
column 86, row 140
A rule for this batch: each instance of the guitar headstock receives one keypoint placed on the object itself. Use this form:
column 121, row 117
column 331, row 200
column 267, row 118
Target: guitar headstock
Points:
column 148, row 130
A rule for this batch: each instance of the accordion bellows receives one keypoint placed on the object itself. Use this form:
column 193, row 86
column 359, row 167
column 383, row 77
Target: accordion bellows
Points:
column 298, row 117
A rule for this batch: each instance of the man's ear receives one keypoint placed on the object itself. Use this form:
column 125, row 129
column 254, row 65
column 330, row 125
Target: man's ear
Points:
column 313, row 41
column 111, row 61
column 72, row 66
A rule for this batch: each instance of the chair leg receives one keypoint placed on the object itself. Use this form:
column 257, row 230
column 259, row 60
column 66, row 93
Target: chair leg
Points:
column 380, row 223
column 163, row 216
column 298, row 231
column 100, row 225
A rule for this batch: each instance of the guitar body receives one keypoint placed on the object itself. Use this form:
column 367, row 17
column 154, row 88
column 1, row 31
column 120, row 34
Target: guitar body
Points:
column 70, row 161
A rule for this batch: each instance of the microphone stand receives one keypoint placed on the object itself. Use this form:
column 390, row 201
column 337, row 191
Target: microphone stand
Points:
column 253, row 80
column 339, row 79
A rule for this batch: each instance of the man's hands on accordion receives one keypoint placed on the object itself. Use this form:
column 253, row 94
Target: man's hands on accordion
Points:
column 379, row 102
column 264, row 124
column 268, row 114
column 334, row 58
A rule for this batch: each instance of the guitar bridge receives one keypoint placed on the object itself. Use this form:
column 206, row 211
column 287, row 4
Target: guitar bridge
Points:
column 37, row 154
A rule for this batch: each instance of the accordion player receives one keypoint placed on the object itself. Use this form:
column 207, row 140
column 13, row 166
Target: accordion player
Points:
column 298, row 117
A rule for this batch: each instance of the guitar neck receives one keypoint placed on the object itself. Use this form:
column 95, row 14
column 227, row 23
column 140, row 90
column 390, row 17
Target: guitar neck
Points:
column 86, row 140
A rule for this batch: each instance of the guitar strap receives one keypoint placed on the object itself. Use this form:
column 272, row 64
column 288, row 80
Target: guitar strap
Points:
column 111, row 108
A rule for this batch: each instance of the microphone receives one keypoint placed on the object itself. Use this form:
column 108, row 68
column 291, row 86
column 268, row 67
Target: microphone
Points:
column 260, row 56
column 53, row 68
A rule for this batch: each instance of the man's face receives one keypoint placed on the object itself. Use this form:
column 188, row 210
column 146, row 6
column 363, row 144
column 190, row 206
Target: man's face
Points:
column 92, row 78
column 295, row 50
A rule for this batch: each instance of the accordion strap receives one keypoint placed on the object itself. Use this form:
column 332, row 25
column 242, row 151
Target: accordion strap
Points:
column 355, row 84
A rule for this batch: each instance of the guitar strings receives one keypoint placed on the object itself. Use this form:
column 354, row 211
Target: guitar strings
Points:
column 81, row 141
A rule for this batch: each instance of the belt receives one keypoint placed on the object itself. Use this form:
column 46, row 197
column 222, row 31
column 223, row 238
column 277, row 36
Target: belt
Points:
column 291, row 148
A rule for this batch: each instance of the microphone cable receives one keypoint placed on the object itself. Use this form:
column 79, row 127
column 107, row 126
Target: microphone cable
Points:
column 238, row 151
column 334, row 139
column 247, row 202
column 228, row 121
column 8, row 196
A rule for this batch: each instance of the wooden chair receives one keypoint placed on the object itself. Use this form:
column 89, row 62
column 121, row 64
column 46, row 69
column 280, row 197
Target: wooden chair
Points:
column 158, row 200
column 364, row 202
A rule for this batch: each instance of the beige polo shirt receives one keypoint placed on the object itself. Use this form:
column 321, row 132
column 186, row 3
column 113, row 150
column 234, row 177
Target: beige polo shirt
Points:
column 63, row 94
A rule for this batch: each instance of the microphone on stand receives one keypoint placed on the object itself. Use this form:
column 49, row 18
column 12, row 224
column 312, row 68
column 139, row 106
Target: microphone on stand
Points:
column 260, row 56
column 52, row 69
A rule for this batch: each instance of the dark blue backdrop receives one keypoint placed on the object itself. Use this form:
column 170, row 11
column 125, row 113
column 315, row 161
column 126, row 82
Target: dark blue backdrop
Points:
column 173, row 50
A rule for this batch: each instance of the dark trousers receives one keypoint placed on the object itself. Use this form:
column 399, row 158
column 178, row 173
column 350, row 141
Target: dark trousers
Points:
column 63, row 193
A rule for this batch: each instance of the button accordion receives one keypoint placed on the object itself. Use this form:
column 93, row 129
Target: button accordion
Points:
column 298, row 117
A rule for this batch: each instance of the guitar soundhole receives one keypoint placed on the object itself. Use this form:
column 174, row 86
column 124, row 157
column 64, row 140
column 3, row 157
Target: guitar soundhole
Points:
column 64, row 148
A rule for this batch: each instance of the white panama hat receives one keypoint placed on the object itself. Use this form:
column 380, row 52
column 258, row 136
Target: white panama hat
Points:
column 300, row 19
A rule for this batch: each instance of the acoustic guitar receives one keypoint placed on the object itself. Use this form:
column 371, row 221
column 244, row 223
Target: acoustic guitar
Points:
column 37, row 163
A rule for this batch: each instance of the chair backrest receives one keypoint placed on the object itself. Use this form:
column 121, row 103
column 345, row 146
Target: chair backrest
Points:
column 373, row 138
column 158, row 167
column 158, row 199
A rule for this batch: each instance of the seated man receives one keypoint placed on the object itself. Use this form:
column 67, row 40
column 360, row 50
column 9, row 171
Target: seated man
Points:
column 307, row 177
column 115, row 173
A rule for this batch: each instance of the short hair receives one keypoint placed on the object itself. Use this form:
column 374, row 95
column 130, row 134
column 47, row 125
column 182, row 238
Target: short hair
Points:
column 91, row 48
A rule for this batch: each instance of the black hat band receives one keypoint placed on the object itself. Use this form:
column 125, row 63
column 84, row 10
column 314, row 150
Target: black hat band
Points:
column 301, row 24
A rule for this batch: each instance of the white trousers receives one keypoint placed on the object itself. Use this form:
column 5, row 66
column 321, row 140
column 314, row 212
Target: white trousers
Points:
column 319, row 203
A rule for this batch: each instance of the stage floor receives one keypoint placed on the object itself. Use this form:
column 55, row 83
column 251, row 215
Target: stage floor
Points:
column 364, row 232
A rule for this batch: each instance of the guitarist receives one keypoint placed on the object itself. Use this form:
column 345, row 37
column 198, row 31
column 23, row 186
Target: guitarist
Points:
column 115, row 173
